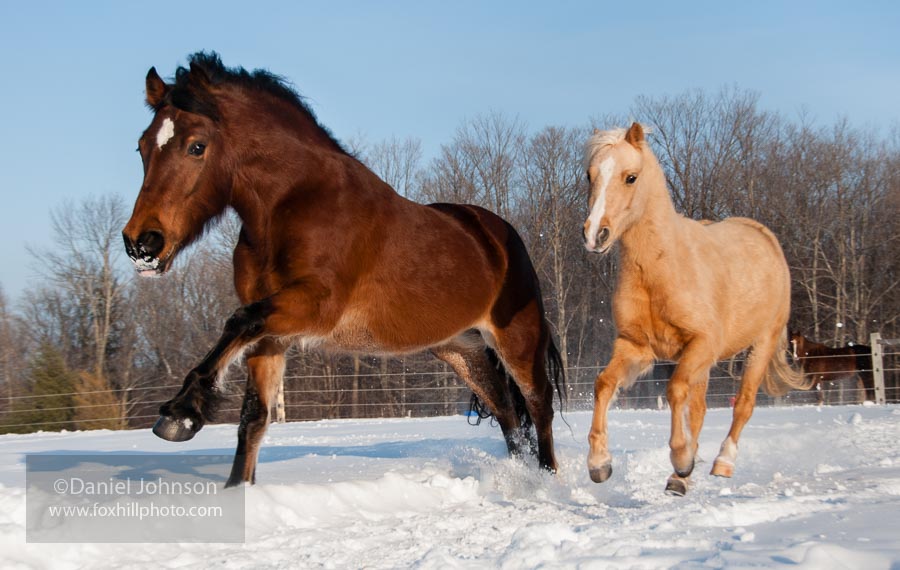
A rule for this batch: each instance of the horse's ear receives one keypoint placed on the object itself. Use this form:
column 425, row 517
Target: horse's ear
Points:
column 156, row 88
column 635, row 134
column 199, row 76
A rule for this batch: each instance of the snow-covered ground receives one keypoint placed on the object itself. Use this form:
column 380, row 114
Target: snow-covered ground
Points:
column 814, row 488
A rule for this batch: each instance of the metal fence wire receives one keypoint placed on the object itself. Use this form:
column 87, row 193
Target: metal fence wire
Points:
column 415, row 394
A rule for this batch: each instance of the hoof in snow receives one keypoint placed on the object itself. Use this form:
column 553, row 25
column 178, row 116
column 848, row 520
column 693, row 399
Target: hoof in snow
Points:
column 676, row 486
column 170, row 429
column 601, row 474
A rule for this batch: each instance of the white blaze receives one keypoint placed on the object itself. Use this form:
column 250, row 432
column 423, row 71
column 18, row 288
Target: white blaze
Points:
column 166, row 132
column 607, row 166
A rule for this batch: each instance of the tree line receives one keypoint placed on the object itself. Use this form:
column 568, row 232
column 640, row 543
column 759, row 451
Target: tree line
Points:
column 92, row 346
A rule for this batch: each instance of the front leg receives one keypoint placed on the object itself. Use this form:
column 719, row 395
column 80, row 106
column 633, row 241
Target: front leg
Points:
column 686, row 392
column 195, row 404
column 627, row 363
column 297, row 310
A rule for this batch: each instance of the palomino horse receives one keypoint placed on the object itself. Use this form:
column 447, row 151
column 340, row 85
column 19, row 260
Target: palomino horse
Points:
column 330, row 256
column 825, row 366
column 693, row 292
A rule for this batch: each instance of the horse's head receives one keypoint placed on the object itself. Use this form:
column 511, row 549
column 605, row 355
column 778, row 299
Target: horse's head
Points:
column 614, row 160
column 182, row 157
column 797, row 342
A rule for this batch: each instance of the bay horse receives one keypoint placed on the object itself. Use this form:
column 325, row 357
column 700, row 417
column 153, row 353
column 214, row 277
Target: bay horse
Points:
column 330, row 256
column 824, row 365
column 688, row 291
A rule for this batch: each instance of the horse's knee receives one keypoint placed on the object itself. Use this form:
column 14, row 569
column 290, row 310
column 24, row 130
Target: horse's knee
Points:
column 249, row 320
column 676, row 392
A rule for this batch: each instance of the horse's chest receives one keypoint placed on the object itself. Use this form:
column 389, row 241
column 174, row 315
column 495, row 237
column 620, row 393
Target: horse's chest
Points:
column 645, row 321
column 666, row 340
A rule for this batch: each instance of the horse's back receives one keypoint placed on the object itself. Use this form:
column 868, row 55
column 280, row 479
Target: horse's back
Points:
column 751, row 249
column 752, row 279
column 740, row 232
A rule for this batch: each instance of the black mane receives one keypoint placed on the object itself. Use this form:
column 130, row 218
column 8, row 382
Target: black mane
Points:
column 188, row 94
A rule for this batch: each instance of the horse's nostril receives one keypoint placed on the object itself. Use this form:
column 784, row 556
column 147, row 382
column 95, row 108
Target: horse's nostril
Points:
column 604, row 234
column 129, row 246
column 150, row 244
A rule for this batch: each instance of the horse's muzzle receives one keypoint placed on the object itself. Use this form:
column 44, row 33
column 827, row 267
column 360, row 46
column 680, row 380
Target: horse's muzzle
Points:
column 600, row 246
column 144, row 252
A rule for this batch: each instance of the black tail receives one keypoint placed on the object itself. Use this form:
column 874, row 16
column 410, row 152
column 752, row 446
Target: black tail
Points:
column 555, row 372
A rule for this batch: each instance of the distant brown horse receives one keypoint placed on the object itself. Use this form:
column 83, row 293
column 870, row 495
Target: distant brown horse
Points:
column 824, row 365
column 694, row 292
column 329, row 256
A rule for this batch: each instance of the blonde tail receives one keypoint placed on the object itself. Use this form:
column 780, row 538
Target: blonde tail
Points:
column 781, row 377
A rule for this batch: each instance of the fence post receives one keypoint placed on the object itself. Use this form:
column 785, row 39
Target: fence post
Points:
column 878, row 367
column 279, row 403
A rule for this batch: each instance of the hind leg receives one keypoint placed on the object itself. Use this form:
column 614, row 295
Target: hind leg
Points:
column 266, row 369
column 472, row 365
column 628, row 361
column 522, row 346
column 753, row 375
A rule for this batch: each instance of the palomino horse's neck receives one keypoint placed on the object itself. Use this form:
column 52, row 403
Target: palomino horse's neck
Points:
column 653, row 233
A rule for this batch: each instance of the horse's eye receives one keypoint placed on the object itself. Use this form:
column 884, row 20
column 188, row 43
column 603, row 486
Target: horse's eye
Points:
column 630, row 179
column 196, row 149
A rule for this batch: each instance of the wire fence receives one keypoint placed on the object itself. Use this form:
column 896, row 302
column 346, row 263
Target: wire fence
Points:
column 409, row 394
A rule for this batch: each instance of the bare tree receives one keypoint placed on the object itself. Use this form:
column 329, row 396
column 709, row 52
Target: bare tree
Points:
column 707, row 146
column 84, row 263
column 397, row 162
column 550, row 216
column 12, row 353
column 479, row 165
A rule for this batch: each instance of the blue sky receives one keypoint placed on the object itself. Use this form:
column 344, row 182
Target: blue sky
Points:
column 71, row 103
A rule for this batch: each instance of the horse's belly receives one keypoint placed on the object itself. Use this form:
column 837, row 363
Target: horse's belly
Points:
column 363, row 333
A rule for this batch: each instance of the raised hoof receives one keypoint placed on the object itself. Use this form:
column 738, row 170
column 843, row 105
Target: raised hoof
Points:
column 170, row 429
column 722, row 469
column 676, row 486
column 600, row 474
